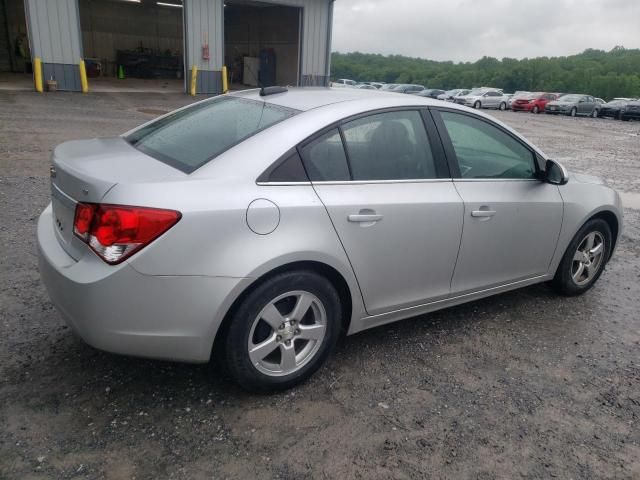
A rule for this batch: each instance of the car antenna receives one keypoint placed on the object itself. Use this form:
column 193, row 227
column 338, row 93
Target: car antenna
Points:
column 265, row 91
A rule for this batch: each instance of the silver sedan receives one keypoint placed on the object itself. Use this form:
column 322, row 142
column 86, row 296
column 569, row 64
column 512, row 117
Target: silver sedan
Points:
column 260, row 225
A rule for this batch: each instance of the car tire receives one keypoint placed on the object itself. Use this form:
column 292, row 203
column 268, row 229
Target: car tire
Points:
column 267, row 317
column 477, row 105
column 535, row 110
column 577, row 273
column 573, row 112
column 595, row 113
column 619, row 115
column 503, row 106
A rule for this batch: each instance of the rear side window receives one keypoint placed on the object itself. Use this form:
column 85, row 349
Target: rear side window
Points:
column 389, row 146
column 324, row 158
column 190, row 138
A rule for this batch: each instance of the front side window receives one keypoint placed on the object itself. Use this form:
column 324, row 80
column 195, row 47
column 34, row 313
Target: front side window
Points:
column 485, row 151
column 389, row 146
column 189, row 138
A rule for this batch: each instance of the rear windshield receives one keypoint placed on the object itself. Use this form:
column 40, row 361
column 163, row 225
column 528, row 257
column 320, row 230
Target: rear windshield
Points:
column 189, row 138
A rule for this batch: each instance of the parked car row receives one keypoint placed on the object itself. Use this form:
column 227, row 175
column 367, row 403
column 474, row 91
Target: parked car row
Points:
column 621, row 108
column 521, row 101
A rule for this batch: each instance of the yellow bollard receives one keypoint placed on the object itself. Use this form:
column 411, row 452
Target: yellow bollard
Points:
column 225, row 80
column 194, row 80
column 83, row 77
column 37, row 74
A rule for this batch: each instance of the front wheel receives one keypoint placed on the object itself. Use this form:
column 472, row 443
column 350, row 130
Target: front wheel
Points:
column 283, row 331
column 503, row 106
column 595, row 114
column 584, row 259
column 573, row 112
column 536, row 109
column 477, row 105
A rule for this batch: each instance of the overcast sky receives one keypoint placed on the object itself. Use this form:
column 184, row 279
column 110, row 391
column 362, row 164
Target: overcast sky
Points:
column 466, row 30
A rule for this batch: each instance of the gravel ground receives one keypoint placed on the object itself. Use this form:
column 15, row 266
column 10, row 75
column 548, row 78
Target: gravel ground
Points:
column 520, row 385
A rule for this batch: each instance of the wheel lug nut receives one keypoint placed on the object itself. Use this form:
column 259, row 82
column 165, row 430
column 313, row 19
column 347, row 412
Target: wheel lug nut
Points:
column 287, row 343
column 297, row 331
column 279, row 338
column 281, row 327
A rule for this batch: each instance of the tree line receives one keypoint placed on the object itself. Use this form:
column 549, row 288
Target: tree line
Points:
column 596, row 72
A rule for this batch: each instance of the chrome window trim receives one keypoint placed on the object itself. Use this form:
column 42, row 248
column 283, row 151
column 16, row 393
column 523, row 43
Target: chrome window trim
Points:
column 358, row 182
column 281, row 184
column 496, row 180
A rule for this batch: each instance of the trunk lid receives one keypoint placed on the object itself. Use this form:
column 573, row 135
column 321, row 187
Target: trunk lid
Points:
column 85, row 170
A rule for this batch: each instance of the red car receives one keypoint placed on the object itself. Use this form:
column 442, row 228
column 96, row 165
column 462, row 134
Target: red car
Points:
column 533, row 103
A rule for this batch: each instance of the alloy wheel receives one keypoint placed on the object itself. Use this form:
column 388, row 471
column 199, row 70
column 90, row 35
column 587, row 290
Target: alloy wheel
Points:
column 588, row 258
column 287, row 333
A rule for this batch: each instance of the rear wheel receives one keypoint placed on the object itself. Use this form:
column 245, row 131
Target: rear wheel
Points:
column 477, row 105
column 585, row 258
column 283, row 331
column 573, row 112
column 536, row 109
column 595, row 113
column 503, row 106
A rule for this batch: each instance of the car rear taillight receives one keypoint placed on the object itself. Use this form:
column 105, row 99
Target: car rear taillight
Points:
column 115, row 232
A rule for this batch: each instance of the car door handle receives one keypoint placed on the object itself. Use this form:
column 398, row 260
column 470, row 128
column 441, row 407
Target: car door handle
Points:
column 483, row 213
column 364, row 218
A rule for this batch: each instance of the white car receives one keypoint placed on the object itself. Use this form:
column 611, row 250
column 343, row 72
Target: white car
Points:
column 344, row 83
column 482, row 98
column 450, row 95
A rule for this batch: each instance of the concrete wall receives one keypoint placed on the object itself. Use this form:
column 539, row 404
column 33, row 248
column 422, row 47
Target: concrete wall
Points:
column 108, row 26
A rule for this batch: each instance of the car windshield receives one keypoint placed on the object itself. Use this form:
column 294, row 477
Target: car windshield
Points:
column 189, row 138
column 570, row 98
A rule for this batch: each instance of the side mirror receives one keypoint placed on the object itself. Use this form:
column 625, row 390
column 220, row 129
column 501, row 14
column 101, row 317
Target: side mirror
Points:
column 555, row 174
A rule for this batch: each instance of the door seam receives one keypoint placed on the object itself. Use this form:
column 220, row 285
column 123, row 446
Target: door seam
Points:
column 464, row 210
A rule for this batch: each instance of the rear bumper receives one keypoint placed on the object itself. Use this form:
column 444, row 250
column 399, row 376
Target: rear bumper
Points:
column 117, row 309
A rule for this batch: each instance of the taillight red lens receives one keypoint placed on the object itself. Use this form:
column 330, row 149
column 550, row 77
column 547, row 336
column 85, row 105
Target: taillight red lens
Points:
column 116, row 232
column 83, row 218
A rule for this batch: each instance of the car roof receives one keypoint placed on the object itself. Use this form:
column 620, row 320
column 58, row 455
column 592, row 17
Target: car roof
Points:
column 309, row 98
column 319, row 107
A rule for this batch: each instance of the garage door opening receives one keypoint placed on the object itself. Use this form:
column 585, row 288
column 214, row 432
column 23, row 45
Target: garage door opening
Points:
column 16, row 71
column 133, row 45
column 261, row 44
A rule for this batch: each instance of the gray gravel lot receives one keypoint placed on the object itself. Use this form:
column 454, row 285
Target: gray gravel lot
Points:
column 521, row 385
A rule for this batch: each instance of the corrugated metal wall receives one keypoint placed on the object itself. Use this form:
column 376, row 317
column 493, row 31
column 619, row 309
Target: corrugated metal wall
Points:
column 54, row 36
column 315, row 37
column 204, row 23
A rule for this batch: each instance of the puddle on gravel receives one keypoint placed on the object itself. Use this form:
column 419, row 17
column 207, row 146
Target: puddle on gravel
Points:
column 630, row 200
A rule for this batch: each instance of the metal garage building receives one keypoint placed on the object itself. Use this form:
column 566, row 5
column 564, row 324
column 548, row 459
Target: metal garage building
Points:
column 266, row 41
